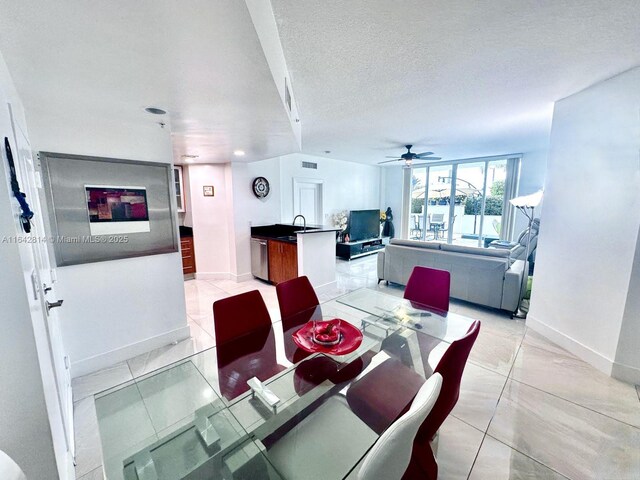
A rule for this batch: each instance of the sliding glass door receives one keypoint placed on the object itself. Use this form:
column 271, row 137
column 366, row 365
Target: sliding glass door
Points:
column 461, row 202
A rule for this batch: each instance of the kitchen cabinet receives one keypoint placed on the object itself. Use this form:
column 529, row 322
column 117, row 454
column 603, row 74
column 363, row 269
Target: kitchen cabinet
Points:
column 178, row 183
column 283, row 261
column 188, row 256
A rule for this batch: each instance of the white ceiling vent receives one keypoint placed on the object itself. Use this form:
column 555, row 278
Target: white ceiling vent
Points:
column 312, row 165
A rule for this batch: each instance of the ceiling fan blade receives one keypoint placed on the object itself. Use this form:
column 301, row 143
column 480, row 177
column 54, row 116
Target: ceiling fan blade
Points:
column 429, row 158
column 390, row 161
column 424, row 153
column 396, row 157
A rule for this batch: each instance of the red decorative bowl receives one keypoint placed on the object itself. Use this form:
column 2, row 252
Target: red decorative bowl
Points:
column 327, row 333
column 349, row 338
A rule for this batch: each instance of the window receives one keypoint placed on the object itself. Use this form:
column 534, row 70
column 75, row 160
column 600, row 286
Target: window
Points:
column 463, row 202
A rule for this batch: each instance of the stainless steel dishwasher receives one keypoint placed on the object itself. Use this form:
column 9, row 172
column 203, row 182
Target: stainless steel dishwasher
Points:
column 260, row 259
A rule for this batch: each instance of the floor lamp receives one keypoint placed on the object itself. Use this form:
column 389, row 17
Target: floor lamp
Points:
column 527, row 205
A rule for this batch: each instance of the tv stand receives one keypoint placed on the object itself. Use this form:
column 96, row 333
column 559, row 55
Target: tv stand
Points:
column 351, row 250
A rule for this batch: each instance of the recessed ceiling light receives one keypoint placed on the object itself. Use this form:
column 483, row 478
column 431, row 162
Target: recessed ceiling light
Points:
column 155, row 110
column 238, row 153
column 189, row 158
column 327, row 151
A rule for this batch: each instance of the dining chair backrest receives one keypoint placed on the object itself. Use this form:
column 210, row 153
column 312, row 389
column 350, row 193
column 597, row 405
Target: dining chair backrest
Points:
column 9, row 470
column 451, row 366
column 239, row 315
column 430, row 287
column 295, row 296
column 389, row 457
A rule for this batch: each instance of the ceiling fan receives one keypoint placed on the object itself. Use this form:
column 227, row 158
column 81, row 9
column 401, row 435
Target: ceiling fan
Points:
column 409, row 157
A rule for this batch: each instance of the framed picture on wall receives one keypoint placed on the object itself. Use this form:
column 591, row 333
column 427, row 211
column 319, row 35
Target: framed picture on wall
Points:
column 116, row 210
column 103, row 209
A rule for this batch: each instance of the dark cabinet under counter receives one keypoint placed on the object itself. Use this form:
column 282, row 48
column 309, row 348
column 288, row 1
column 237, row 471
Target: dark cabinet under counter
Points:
column 283, row 261
column 188, row 251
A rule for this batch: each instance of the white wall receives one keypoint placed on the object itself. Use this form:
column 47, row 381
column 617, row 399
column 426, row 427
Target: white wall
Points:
column 347, row 185
column 392, row 194
column 210, row 219
column 119, row 309
column 627, row 361
column 265, row 24
column 97, row 321
column 249, row 210
column 25, row 431
column 533, row 168
column 589, row 231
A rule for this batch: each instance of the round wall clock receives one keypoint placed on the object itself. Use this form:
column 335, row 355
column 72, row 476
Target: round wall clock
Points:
column 261, row 187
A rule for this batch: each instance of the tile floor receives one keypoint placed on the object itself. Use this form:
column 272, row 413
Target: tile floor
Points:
column 527, row 408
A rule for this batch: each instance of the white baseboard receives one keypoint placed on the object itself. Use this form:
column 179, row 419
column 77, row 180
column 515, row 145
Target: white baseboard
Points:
column 242, row 277
column 110, row 358
column 581, row 351
column 626, row 373
column 213, row 275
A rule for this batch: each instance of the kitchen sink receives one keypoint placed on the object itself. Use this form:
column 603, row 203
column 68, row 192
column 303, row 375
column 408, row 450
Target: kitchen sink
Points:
column 289, row 238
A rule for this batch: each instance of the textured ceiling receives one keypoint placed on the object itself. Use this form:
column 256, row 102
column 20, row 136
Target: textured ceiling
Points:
column 200, row 60
column 461, row 78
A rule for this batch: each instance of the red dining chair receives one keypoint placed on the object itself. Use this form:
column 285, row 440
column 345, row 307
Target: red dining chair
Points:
column 430, row 287
column 451, row 366
column 385, row 393
column 298, row 304
column 236, row 316
column 245, row 342
column 295, row 296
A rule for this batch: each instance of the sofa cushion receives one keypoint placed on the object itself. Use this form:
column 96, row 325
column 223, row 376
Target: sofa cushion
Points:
column 416, row 244
column 487, row 252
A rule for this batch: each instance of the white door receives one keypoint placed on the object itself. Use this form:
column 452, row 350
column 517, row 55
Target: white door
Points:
column 38, row 277
column 307, row 200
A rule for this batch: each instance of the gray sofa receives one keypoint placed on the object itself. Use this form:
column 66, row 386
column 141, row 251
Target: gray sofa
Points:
column 485, row 276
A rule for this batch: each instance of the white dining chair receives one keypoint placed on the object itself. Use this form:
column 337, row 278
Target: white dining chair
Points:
column 389, row 458
column 9, row 470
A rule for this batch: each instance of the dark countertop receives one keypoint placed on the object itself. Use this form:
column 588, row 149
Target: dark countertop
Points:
column 185, row 231
column 319, row 229
column 287, row 233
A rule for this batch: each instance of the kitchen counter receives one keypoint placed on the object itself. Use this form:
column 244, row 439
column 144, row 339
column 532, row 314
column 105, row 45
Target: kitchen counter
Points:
column 288, row 233
column 311, row 252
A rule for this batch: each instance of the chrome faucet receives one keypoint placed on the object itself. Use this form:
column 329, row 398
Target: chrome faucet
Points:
column 304, row 222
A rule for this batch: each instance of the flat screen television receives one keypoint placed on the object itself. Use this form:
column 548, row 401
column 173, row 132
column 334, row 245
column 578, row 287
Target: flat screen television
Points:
column 364, row 224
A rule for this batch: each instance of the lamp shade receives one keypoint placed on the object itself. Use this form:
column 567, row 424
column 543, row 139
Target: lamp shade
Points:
column 529, row 201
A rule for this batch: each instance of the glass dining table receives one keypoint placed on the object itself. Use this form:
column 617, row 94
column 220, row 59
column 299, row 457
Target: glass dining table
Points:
column 261, row 408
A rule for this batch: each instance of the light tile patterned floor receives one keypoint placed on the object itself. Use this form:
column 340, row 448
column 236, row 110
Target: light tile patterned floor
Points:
column 527, row 408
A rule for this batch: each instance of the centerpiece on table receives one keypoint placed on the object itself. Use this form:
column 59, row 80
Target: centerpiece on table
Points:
column 327, row 332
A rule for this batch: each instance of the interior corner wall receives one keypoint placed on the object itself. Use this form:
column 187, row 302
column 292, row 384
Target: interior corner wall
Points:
column 231, row 227
column 346, row 185
column 533, row 169
column 588, row 237
column 117, row 309
column 393, row 181
column 249, row 210
column 627, row 362
column 210, row 218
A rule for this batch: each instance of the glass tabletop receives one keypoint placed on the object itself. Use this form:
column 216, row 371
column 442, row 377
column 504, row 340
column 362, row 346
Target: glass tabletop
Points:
column 260, row 407
column 172, row 424
column 389, row 311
